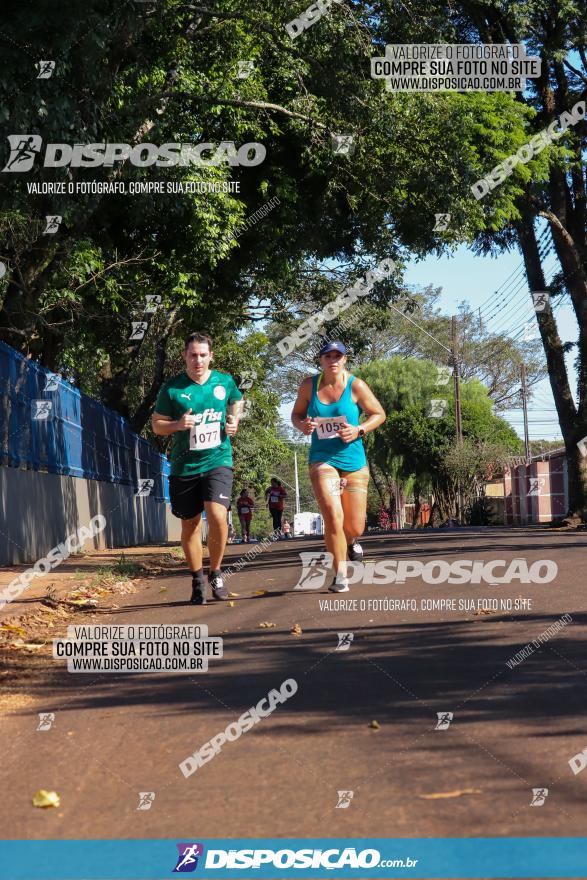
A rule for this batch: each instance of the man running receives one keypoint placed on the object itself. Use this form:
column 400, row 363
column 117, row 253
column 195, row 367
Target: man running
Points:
column 201, row 408
column 328, row 408
column 245, row 506
column 275, row 496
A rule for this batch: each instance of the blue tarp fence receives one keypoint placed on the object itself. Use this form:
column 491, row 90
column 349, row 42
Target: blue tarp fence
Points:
column 47, row 424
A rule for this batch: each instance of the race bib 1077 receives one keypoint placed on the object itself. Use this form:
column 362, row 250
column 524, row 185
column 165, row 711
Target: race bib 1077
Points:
column 205, row 436
column 327, row 429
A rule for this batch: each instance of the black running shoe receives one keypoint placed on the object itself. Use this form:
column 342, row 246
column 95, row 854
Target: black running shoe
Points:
column 199, row 593
column 355, row 552
column 219, row 591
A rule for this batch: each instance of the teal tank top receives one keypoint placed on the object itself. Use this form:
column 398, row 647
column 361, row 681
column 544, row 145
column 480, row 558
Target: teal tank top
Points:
column 328, row 448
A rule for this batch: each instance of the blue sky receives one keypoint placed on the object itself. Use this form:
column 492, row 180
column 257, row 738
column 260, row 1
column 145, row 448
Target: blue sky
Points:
column 465, row 276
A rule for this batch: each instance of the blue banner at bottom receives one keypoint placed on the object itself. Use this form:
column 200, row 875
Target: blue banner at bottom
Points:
column 277, row 858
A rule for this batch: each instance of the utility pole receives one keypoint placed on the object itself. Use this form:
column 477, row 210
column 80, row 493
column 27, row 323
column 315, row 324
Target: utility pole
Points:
column 297, row 483
column 456, row 378
column 457, row 390
column 525, row 410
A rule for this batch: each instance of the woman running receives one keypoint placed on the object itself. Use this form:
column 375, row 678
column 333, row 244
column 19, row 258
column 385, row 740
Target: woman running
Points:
column 275, row 496
column 328, row 407
column 245, row 506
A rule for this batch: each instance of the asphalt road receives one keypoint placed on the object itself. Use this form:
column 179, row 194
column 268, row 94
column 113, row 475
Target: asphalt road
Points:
column 513, row 729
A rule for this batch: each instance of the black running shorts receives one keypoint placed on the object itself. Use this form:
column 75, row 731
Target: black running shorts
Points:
column 189, row 493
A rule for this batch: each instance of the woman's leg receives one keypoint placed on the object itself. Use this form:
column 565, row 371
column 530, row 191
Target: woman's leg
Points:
column 326, row 484
column 354, row 502
column 243, row 523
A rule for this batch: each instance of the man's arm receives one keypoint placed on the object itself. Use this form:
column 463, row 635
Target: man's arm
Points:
column 163, row 426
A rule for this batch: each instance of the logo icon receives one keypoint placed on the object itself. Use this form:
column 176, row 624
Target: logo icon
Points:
column 46, row 69
column 52, row 383
column 344, row 799
column 246, row 379
column 539, row 795
column 541, row 300
column 220, row 392
column 41, row 409
column 146, row 799
column 46, row 719
column 444, row 719
column 145, row 488
column 443, row 375
column 436, row 409
column 442, row 221
column 247, row 409
column 245, row 69
column 343, row 144
column 536, row 484
column 52, row 222
column 187, row 861
column 344, row 642
column 139, row 328
column 23, row 149
column 152, row 303
column 314, row 571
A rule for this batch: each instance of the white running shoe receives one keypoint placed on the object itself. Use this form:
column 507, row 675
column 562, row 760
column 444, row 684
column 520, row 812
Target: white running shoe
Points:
column 339, row 585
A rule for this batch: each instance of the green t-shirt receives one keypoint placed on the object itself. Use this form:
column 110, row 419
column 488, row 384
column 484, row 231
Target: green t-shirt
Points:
column 206, row 446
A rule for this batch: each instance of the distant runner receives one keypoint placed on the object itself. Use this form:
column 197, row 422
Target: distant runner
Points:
column 201, row 408
column 245, row 506
column 275, row 496
column 328, row 407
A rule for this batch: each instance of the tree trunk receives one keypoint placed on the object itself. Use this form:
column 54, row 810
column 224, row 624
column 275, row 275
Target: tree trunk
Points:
column 573, row 423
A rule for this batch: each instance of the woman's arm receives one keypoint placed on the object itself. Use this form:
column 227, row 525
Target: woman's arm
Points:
column 370, row 407
column 299, row 414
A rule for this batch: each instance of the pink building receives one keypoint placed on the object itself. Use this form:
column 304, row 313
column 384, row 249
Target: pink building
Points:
column 537, row 492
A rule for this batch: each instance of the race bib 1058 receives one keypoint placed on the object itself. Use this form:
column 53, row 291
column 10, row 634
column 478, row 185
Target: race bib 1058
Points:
column 327, row 429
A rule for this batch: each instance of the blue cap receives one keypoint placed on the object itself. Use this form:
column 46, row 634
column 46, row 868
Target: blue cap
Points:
column 332, row 346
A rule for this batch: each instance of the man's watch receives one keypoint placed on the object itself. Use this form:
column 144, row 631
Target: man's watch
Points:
column 361, row 433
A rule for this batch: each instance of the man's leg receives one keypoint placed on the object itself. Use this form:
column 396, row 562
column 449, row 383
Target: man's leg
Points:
column 217, row 494
column 191, row 541
column 217, row 532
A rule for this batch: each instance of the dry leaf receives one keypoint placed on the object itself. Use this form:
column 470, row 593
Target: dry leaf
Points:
column 266, row 625
column 162, row 589
column 234, row 594
column 13, row 628
column 375, row 725
column 260, row 593
column 296, row 629
column 449, row 794
column 230, row 604
column 46, row 798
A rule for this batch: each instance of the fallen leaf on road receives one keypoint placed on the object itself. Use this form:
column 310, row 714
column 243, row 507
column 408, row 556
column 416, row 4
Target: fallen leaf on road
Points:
column 14, row 628
column 234, row 594
column 162, row 589
column 231, row 604
column 375, row 725
column 450, row 794
column 260, row 593
column 46, row 798
column 482, row 611
column 296, row 629
column 266, row 625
